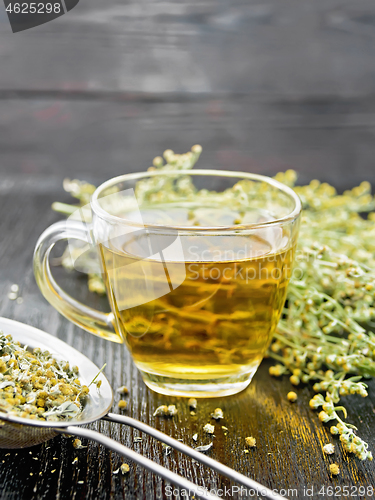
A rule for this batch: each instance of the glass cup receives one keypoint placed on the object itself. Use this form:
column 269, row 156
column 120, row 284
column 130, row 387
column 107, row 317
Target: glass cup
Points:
column 195, row 265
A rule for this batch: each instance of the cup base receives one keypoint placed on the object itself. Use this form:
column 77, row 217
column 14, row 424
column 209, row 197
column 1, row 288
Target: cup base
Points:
column 212, row 388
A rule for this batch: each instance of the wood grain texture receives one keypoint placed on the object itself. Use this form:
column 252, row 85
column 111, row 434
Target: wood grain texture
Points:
column 262, row 85
column 97, row 136
column 289, row 436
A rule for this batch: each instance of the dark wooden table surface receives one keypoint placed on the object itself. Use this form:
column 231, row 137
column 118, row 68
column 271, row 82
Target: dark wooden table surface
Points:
column 263, row 86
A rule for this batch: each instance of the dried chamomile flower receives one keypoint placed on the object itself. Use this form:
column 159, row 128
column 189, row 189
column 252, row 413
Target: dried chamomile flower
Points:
column 122, row 390
column 209, row 429
column 292, row 396
column 166, row 411
column 329, row 449
column 217, row 414
column 122, row 404
column 334, row 469
column 37, row 385
column 172, row 410
column 161, row 411
column 77, row 444
column 166, row 448
column 204, row 447
column 192, row 402
column 124, row 468
column 251, row 442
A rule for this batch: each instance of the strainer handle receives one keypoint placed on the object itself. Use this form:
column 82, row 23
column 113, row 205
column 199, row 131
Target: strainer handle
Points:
column 89, row 319
column 113, row 445
column 247, row 482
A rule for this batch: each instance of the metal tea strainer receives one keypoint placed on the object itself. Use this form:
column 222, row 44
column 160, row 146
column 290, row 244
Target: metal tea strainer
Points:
column 17, row 432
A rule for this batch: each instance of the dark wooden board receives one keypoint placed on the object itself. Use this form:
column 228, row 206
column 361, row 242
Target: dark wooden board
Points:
column 289, row 436
column 97, row 136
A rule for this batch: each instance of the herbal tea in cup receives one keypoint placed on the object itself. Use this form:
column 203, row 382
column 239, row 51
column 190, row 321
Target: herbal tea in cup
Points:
column 196, row 266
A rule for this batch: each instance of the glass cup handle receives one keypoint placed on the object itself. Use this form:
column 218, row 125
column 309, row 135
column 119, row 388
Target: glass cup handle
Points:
column 89, row 319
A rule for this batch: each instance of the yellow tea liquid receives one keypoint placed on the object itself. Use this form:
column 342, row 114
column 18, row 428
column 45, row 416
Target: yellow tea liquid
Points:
column 215, row 326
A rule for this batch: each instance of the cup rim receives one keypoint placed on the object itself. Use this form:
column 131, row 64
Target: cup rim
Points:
column 98, row 210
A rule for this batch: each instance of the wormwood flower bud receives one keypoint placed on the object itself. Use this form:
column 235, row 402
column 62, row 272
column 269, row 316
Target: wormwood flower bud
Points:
column 328, row 407
column 313, row 404
column 316, row 401
column 324, row 385
column 294, row 380
column 292, row 396
column 276, row 370
column 344, row 438
column 324, row 417
column 276, row 347
column 334, row 430
column 168, row 153
column 197, row 149
column 363, row 392
column 353, row 448
column 157, row 161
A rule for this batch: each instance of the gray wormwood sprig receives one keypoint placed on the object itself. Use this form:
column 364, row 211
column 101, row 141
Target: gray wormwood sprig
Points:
column 350, row 441
column 324, row 335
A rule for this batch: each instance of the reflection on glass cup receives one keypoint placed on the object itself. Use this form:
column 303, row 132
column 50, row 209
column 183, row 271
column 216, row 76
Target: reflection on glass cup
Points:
column 196, row 279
